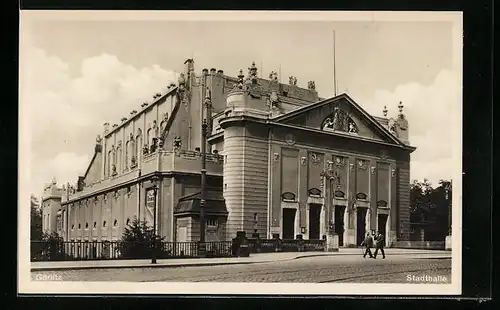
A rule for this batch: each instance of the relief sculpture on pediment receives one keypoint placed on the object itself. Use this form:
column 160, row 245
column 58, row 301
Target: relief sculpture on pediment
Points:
column 339, row 120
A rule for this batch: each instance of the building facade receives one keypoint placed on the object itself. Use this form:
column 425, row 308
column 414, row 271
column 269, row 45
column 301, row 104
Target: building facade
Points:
column 281, row 162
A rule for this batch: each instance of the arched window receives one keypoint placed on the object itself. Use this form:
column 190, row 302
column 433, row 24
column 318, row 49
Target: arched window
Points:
column 110, row 162
column 149, row 137
column 104, row 224
column 138, row 146
column 119, row 159
column 127, row 146
column 115, row 223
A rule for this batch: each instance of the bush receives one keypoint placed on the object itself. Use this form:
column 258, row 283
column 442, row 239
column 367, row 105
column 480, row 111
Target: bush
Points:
column 51, row 247
column 137, row 240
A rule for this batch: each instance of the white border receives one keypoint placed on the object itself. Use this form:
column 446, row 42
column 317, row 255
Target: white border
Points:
column 25, row 284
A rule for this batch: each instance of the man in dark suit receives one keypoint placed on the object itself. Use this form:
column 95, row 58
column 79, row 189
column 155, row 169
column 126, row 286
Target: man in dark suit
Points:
column 367, row 243
column 379, row 245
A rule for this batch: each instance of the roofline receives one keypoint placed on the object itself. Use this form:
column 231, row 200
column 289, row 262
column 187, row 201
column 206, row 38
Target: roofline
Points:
column 134, row 181
column 90, row 165
column 308, row 107
column 149, row 106
column 333, row 99
column 272, row 122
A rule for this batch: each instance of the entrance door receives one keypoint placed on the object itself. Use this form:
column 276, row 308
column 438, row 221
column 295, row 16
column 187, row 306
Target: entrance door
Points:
column 289, row 223
column 339, row 223
column 382, row 221
column 361, row 225
column 314, row 221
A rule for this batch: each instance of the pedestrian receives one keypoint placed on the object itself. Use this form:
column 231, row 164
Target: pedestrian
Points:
column 379, row 245
column 367, row 243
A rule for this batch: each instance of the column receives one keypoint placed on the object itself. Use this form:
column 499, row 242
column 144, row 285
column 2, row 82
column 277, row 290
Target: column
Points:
column 372, row 174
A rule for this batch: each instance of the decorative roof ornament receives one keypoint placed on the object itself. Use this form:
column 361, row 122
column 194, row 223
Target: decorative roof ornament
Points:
column 181, row 79
column 400, row 107
column 240, row 79
column 311, row 85
column 252, row 70
column 54, row 182
column 144, row 104
column 292, row 80
column 273, row 76
column 385, row 111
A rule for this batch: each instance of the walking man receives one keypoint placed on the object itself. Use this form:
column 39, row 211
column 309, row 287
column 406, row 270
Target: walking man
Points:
column 367, row 243
column 380, row 242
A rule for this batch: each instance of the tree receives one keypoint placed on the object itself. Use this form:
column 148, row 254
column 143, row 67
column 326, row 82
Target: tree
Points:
column 429, row 208
column 36, row 219
column 136, row 241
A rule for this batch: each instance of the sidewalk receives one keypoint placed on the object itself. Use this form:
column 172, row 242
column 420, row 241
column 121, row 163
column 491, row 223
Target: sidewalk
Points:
column 191, row 262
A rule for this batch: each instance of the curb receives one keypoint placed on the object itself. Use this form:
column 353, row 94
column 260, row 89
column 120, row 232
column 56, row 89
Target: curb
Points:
column 354, row 254
column 143, row 266
column 181, row 265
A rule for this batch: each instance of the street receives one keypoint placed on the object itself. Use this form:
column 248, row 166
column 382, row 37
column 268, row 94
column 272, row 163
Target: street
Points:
column 413, row 268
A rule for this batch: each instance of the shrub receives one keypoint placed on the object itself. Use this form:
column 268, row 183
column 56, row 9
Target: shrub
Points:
column 136, row 241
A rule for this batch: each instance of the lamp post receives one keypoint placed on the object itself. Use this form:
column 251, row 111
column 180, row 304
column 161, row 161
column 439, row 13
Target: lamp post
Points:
column 154, row 180
column 204, row 127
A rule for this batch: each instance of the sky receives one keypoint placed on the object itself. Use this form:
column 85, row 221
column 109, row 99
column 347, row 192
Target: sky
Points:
column 76, row 75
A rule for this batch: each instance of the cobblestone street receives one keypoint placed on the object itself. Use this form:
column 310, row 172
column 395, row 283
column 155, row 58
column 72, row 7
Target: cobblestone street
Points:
column 319, row 269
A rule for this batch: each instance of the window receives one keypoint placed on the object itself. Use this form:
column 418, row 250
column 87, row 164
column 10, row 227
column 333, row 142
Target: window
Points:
column 79, row 226
column 109, row 163
column 115, row 223
column 119, row 165
column 86, row 225
column 127, row 146
column 104, row 224
column 95, row 225
column 72, row 226
column 128, row 222
column 212, row 223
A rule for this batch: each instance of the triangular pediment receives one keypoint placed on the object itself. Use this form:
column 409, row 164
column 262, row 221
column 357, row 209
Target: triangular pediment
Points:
column 339, row 115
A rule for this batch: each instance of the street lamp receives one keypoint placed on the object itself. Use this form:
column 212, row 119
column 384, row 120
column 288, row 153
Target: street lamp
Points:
column 328, row 175
column 155, row 180
column 204, row 127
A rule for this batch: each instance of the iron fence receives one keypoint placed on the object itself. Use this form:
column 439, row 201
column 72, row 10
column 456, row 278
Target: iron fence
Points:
column 104, row 250
column 285, row 245
column 423, row 245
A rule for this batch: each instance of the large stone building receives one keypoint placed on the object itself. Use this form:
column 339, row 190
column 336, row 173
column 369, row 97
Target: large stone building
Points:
column 280, row 161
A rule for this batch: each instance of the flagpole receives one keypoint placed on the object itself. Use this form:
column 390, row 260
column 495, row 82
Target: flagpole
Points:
column 280, row 73
column 334, row 68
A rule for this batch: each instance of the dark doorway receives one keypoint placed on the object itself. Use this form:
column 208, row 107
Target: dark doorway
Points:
column 339, row 223
column 382, row 221
column 361, row 225
column 314, row 220
column 289, row 223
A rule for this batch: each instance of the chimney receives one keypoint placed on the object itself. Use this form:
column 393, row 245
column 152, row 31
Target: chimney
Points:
column 220, row 72
column 204, row 71
column 212, row 71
